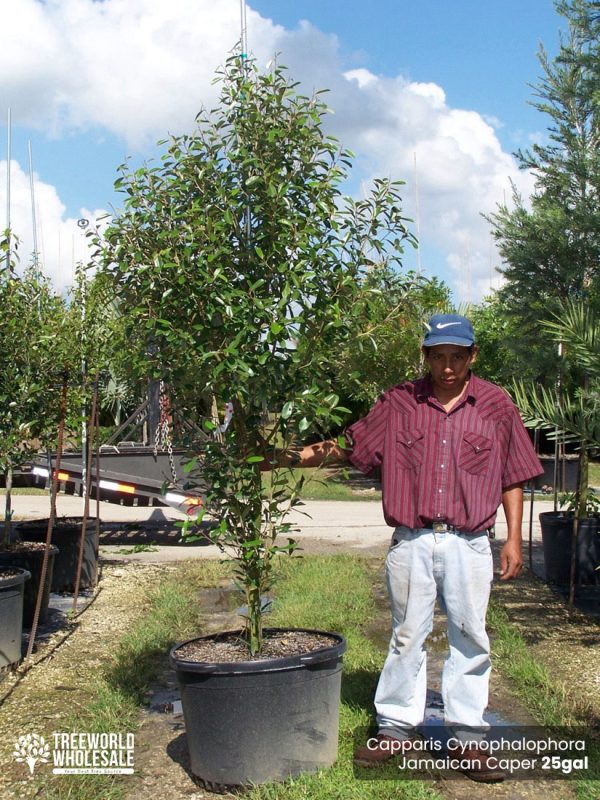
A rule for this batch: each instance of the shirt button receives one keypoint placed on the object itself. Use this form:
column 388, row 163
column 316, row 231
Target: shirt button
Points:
column 443, row 441
column 440, row 491
column 441, row 466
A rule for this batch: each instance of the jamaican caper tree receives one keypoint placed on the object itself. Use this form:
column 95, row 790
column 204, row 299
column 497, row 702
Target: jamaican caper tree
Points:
column 237, row 261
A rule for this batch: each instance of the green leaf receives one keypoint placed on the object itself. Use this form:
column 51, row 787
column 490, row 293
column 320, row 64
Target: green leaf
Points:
column 286, row 411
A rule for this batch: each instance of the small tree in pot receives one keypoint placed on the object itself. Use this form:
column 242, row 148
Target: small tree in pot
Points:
column 32, row 316
column 33, row 323
column 575, row 414
column 235, row 249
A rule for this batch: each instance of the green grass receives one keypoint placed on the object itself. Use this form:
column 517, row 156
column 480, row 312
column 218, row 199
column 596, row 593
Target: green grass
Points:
column 321, row 486
column 594, row 474
column 20, row 490
column 545, row 697
column 335, row 593
column 139, row 658
column 329, row 593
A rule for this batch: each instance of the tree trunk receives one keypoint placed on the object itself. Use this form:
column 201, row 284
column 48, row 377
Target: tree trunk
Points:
column 8, row 507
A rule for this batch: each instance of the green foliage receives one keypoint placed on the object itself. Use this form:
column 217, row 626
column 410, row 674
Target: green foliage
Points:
column 240, row 269
column 499, row 338
column 33, row 331
column 576, row 413
column 100, row 337
column 387, row 331
column 552, row 247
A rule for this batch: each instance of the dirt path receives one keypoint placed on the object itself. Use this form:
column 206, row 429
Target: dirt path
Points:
column 43, row 699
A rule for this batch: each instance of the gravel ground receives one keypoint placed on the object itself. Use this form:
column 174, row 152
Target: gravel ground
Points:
column 41, row 699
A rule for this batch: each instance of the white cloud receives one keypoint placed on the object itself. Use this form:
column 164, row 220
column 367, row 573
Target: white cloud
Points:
column 142, row 68
column 138, row 68
column 61, row 242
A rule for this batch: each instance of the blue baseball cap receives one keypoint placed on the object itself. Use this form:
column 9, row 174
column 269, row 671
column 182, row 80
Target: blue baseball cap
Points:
column 449, row 329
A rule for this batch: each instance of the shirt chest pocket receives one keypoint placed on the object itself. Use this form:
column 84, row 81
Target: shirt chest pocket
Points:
column 475, row 453
column 410, row 447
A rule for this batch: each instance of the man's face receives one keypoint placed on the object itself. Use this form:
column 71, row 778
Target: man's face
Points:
column 449, row 365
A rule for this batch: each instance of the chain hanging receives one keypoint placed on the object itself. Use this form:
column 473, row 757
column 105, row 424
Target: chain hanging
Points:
column 162, row 437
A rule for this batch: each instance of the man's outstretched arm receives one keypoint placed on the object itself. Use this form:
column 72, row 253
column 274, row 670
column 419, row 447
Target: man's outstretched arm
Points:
column 312, row 455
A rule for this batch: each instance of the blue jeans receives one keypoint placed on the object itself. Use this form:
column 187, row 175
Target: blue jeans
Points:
column 421, row 565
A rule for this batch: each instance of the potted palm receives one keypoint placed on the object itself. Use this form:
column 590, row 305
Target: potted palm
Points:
column 235, row 251
column 571, row 537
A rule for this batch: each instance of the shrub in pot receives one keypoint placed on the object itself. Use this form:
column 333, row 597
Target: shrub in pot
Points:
column 234, row 259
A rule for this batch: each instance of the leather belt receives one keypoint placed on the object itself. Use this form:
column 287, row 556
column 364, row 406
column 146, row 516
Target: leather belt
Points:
column 445, row 527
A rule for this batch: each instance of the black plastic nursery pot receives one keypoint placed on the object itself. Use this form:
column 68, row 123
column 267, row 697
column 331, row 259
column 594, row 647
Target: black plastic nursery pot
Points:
column 66, row 534
column 249, row 722
column 31, row 560
column 12, row 584
column 557, row 531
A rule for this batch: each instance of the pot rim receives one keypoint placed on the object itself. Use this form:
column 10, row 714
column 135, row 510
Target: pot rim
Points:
column 566, row 515
column 13, row 580
column 52, row 549
column 299, row 661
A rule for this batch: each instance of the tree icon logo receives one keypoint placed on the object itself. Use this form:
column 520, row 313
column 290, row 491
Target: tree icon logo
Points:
column 30, row 749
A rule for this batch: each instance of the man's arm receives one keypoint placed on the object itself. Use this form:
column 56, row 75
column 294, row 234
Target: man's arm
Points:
column 312, row 455
column 511, row 559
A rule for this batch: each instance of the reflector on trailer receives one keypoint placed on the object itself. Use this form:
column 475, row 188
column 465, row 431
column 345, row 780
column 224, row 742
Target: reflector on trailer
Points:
column 117, row 487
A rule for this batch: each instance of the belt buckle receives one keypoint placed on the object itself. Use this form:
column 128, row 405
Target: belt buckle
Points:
column 440, row 527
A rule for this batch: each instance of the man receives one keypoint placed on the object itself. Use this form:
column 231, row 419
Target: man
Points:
column 451, row 448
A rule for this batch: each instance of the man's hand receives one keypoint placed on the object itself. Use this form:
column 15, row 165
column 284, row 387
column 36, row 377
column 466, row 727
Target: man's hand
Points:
column 511, row 560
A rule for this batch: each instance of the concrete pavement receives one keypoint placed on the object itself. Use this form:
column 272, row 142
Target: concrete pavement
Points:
column 324, row 526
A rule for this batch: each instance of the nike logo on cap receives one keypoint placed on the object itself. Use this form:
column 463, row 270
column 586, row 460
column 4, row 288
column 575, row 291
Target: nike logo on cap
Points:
column 442, row 325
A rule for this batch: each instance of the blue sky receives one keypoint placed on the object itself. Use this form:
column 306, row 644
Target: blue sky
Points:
column 435, row 93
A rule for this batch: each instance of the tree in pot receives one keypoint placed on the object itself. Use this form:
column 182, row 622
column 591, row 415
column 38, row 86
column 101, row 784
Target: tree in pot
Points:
column 575, row 414
column 32, row 325
column 234, row 258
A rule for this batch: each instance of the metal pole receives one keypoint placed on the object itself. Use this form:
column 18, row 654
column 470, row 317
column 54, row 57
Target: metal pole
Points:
column 536, row 444
column 54, row 492
column 244, row 36
column 417, row 216
column 88, row 484
column 244, row 57
column 84, row 426
column 8, row 158
column 557, row 448
column 33, row 219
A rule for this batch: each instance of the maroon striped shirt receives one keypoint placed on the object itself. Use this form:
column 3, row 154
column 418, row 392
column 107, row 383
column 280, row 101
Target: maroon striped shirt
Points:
column 444, row 466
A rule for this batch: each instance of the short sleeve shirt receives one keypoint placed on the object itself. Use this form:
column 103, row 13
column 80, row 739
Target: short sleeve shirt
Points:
column 444, row 466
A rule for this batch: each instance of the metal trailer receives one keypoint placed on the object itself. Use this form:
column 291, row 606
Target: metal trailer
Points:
column 128, row 472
